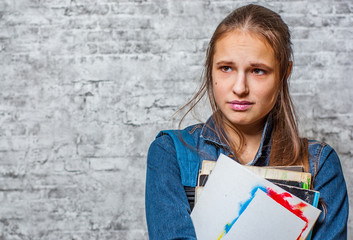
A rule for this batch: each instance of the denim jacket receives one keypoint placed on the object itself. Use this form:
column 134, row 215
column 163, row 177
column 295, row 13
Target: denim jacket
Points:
column 167, row 207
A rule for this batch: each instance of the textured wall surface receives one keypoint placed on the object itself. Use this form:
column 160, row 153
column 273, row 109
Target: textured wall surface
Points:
column 86, row 85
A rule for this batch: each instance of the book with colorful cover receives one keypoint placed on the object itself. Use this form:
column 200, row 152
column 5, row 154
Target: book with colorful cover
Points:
column 296, row 176
column 295, row 168
column 309, row 196
column 276, row 174
column 238, row 204
column 298, row 184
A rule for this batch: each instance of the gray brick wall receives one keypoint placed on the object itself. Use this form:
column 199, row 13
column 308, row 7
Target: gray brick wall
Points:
column 86, row 85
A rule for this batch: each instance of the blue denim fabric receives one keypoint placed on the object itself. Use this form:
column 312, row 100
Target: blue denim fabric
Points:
column 167, row 208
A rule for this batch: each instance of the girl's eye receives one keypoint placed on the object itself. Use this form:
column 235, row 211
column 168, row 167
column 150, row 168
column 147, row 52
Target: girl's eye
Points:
column 258, row 71
column 226, row 69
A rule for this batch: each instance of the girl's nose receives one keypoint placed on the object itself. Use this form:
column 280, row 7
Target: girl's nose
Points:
column 240, row 87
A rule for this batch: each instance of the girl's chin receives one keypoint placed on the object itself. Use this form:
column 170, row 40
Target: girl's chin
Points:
column 245, row 123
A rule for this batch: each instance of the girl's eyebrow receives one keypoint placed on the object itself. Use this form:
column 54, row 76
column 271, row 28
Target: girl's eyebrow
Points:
column 225, row 63
column 261, row 65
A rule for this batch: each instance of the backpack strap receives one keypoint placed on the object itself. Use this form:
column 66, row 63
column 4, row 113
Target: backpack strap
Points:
column 187, row 156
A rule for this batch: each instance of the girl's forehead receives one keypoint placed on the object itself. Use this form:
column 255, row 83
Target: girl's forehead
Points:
column 244, row 34
column 243, row 44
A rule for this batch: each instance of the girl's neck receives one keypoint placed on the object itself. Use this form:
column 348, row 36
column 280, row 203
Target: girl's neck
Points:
column 251, row 136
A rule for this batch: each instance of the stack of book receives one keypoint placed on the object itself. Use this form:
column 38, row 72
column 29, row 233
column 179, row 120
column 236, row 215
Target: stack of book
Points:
column 248, row 202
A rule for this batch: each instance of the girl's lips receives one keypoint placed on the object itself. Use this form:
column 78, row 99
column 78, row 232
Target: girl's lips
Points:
column 240, row 105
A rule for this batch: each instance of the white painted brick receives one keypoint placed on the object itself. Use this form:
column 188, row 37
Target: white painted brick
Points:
column 110, row 164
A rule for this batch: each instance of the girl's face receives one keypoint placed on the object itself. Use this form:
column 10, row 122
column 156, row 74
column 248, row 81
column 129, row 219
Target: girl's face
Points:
column 245, row 79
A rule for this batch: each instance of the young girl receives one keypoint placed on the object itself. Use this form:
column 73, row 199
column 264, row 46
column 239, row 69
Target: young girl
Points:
column 246, row 79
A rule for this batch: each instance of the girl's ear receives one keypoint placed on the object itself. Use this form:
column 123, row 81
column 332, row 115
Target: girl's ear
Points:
column 289, row 70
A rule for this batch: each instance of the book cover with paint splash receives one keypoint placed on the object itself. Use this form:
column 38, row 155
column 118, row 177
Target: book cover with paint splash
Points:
column 237, row 203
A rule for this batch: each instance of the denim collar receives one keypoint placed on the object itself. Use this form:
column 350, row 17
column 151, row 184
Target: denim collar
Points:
column 209, row 134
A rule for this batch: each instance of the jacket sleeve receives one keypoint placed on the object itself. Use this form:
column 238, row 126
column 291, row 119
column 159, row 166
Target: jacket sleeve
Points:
column 329, row 181
column 167, row 207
